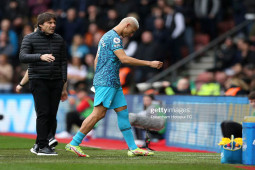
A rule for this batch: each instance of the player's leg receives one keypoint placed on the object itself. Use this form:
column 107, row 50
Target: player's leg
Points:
column 125, row 127
column 119, row 103
column 87, row 125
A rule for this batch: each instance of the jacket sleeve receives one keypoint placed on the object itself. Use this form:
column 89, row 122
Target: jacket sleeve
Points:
column 64, row 62
column 25, row 55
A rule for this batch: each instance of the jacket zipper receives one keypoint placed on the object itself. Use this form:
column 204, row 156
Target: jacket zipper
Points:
column 51, row 64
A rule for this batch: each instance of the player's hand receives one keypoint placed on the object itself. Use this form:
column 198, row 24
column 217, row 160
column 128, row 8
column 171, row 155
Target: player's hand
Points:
column 156, row 64
column 18, row 88
column 47, row 57
column 64, row 95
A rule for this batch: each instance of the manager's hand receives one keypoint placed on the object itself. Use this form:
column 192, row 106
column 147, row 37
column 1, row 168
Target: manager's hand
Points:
column 47, row 57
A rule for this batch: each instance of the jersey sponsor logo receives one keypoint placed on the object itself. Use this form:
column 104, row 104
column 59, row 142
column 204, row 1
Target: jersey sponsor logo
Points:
column 116, row 40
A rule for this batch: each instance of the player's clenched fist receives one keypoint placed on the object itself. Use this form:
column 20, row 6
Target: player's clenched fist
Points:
column 47, row 57
column 156, row 64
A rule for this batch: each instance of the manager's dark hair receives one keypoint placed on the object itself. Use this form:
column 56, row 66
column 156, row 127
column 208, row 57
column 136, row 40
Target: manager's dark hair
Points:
column 44, row 17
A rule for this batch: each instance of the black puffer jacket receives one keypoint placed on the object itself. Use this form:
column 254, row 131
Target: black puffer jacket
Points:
column 36, row 44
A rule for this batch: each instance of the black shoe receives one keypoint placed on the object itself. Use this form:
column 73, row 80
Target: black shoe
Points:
column 53, row 142
column 53, row 148
column 47, row 151
column 35, row 149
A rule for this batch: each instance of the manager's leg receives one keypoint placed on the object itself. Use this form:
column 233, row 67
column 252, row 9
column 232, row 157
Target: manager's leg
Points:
column 56, row 87
column 40, row 93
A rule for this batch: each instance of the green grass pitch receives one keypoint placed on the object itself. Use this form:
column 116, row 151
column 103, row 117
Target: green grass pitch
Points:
column 15, row 154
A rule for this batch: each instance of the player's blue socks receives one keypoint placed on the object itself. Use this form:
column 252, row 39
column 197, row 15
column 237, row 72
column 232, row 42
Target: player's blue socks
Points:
column 125, row 128
column 77, row 139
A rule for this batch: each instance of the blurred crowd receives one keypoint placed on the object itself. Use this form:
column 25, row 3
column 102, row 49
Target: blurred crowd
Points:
column 169, row 31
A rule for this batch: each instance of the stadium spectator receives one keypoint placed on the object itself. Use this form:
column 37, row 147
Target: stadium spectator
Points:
column 47, row 77
column 5, row 46
column 186, row 8
column 206, row 85
column 159, row 32
column 147, row 49
column 77, row 48
column 226, row 56
column 89, row 62
column 126, row 77
column 13, row 38
column 156, row 12
column 38, row 6
column 112, row 19
column 76, row 72
column 251, row 98
column 250, row 10
column 27, row 29
column 130, row 46
column 6, row 73
column 238, row 11
column 246, row 55
column 248, row 72
column 124, row 7
column 96, row 38
column 13, row 10
column 144, row 7
column 62, row 6
column 182, row 88
column 92, row 30
column 206, row 11
column 149, row 103
column 175, row 24
column 71, row 25
column 221, row 77
column 95, row 16
column 162, row 3
column 235, row 87
column 83, row 109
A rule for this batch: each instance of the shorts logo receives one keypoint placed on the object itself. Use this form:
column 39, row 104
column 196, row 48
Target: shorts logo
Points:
column 116, row 40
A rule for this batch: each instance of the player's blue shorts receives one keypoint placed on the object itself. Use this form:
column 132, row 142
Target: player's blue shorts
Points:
column 110, row 97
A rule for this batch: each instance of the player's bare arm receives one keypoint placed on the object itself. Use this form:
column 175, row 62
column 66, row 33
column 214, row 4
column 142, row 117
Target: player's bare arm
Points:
column 136, row 62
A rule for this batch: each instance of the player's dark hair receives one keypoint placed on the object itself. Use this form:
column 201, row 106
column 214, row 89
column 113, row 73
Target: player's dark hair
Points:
column 44, row 17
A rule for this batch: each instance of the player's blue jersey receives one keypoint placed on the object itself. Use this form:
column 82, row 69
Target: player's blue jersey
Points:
column 108, row 64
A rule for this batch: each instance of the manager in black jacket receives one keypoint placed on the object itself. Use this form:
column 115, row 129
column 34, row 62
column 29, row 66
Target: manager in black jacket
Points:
column 45, row 52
